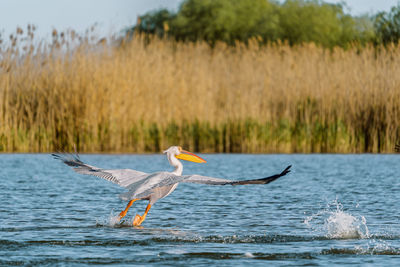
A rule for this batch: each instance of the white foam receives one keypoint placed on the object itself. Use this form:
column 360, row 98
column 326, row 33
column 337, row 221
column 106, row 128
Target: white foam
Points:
column 344, row 225
column 113, row 220
column 110, row 221
column 248, row 255
column 374, row 247
column 334, row 222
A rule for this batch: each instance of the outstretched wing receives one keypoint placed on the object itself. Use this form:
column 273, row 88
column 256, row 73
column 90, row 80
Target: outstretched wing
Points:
column 161, row 180
column 198, row 179
column 121, row 177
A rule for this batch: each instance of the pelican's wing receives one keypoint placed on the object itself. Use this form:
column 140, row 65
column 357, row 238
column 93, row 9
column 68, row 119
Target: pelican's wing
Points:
column 147, row 186
column 198, row 179
column 121, row 177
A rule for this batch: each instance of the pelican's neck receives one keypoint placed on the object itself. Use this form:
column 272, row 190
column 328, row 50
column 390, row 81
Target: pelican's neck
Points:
column 175, row 163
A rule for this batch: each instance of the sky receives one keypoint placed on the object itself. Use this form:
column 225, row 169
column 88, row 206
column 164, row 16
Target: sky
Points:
column 111, row 16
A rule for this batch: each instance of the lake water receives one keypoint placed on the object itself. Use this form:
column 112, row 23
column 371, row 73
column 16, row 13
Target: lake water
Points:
column 331, row 209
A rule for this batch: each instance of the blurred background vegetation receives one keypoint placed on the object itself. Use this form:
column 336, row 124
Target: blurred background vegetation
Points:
column 251, row 76
column 294, row 21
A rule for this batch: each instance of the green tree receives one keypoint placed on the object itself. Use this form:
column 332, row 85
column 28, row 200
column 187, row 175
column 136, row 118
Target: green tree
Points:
column 315, row 21
column 226, row 20
column 365, row 31
column 387, row 26
column 296, row 21
column 154, row 22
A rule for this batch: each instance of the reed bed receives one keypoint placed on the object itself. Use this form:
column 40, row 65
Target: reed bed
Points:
column 144, row 95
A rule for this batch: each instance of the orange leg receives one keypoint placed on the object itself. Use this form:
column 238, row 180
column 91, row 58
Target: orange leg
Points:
column 139, row 219
column 123, row 213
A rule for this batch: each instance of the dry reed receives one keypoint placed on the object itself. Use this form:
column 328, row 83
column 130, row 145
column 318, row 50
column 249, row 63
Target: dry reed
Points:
column 146, row 95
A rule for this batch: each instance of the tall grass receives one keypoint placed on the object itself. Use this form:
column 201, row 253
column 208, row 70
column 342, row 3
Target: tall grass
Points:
column 147, row 95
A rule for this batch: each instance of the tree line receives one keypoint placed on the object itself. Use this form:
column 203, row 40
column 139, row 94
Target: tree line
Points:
column 293, row 21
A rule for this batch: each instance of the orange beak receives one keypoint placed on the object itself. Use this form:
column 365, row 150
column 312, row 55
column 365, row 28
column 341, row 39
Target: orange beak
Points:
column 186, row 155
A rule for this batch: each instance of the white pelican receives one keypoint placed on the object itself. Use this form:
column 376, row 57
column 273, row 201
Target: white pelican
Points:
column 154, row 186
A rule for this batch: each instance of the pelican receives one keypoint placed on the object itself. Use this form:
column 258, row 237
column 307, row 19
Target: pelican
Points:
column 154, row 186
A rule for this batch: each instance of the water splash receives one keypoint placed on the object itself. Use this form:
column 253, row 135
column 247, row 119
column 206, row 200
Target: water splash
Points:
column 113, row 221
column 333, row 222
column 249, row 255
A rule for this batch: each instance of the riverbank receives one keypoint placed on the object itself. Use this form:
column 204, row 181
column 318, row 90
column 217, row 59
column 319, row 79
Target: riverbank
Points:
column 144, row 96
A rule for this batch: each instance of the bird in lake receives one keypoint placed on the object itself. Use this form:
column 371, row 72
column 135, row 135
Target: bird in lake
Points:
column 154, row 186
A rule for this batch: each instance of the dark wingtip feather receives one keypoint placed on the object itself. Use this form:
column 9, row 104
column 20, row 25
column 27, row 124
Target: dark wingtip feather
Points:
column 69, row 159
column 286, row 171
column 265, row 180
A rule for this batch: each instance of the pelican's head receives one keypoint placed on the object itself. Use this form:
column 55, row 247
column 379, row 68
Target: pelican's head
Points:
column 179, row 153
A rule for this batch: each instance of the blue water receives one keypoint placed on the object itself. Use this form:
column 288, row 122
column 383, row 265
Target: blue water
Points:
column 331, row 209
